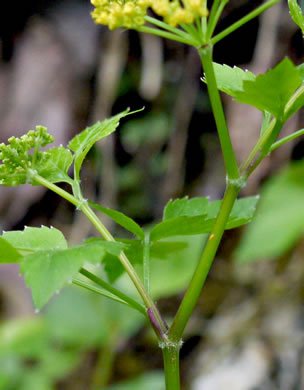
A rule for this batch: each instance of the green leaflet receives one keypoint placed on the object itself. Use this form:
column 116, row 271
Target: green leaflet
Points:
column 296, row 14
column 230, row 80
column 197, row 216
column 35, row 239
column 47, row 271
column 268, row 92
column 271, row 91
column 47, row 262
column 186, row 207
column 121, row 219
column 83, row 142
column 180, row 226
column 279, row 222
column 8, row 254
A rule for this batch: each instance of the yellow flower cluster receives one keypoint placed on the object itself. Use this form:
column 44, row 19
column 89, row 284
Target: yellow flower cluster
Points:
column 131, row 13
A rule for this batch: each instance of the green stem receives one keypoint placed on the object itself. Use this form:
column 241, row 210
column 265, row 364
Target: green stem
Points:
column 204, row 23
column 59, row 191
column 216, row 103
column 262, row 147
column 154, row 316
column 146, row 262
column 123, row 298
column 168, row 35
column 286, row 139
column 189, row 301
column 193, row 32
column 165, row 26
column 243, row 20
column 215, row 14
column 294, row 103
column 159, row 325
column 171, row 366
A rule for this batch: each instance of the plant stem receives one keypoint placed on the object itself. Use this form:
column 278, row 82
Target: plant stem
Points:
column 160, row 327
column 294, row 103
column 243, row 20
column 204, row 23
column 165, row 26
column 258, row 145
column 59, row 191
column 286, row 139
column 193, row 32
column 171, row 366
column 189, row 301
column 215, row 14
column 146, row 262
column 219, row 116
column 263, row 147
column 153, row 314
column 123, row 298
column 168, row 35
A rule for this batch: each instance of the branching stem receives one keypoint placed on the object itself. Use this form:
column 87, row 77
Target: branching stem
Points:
column 161, row 328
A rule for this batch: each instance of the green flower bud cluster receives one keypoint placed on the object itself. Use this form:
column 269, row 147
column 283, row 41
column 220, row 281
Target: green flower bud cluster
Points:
column 131, row 13
column 17, row 159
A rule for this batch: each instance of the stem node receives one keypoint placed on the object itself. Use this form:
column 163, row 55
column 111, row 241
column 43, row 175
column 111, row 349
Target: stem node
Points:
column 238, row 183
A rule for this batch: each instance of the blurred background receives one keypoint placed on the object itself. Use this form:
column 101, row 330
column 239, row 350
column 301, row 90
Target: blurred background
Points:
column 58, row 69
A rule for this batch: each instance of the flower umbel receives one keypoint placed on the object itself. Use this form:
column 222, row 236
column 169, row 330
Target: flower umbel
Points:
column 131, row 13
column 21, row 154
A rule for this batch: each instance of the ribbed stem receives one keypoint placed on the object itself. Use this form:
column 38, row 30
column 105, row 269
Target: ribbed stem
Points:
column 171, row 366
column 190, row 299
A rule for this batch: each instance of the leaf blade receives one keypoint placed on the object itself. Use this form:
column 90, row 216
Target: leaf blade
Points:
column 121, row 219
column 35, row 239
column 272, row 90
column 230, row 80
column 8, row 254
column 83, row 142
column 187, row 224
column 296, row 14
column 47, row 271
column 54, row 165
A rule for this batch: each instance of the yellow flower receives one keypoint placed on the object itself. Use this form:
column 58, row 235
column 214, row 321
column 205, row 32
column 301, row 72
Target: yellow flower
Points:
column 131, row 13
